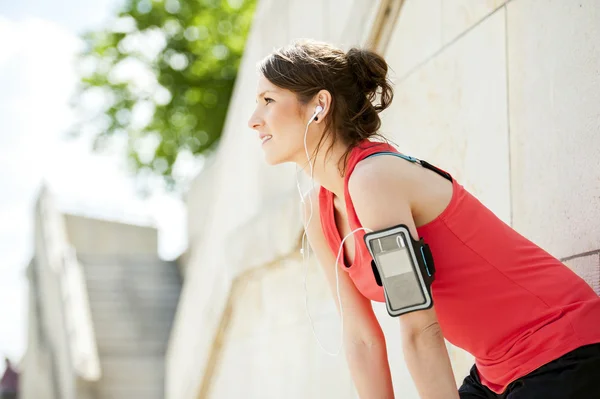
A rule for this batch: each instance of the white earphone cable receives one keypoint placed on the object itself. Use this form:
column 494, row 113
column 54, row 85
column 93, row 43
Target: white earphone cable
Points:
column 306, row 254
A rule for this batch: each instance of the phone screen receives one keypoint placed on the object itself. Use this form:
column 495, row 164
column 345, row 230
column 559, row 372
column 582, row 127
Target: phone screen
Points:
column 399, row 277
column 395, row 262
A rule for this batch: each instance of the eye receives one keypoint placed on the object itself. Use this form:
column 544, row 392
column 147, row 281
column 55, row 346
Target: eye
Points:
column 268, row 100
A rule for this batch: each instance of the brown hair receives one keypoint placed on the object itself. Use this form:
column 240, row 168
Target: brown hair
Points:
column 354, row 79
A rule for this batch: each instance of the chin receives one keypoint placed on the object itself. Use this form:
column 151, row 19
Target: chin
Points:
column 272, row 161
column 274, row 157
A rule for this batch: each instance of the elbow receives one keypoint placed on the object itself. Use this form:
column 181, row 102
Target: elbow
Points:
column 359, row 343
column 365, row 354
column 431, row 332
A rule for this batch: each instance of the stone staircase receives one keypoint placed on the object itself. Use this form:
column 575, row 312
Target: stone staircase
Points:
column 132, row 301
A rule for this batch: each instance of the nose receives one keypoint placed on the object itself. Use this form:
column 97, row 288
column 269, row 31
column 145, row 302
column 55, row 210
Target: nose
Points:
column 255, row 121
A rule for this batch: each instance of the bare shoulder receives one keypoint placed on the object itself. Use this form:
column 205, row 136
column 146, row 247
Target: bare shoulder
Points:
column 390, row 182
column 382, row 182
column 381, row 175
column 379, row 188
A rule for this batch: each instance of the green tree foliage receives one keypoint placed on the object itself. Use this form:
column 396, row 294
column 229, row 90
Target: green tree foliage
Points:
column 164, row 72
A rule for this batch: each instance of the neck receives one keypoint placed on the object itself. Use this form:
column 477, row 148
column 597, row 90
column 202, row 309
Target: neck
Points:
column 326, row 167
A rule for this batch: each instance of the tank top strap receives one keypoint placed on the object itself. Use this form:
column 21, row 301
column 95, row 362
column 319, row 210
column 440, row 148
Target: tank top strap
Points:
column 365, row 150
column 421, row 162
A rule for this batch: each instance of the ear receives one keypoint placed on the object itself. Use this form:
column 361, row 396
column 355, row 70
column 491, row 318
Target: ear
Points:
column 322, row 98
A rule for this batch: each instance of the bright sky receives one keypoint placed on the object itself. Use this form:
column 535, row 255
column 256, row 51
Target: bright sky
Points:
column 38, row 40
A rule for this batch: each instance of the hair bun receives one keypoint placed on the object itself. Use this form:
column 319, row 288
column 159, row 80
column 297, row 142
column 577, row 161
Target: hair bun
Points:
column 370, row 70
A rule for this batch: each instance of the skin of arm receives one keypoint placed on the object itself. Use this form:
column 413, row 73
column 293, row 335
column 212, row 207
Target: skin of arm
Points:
column 364, row 342
column 380, row 192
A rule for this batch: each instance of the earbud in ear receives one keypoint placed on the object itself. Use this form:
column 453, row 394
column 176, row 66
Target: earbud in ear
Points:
column 318, row 109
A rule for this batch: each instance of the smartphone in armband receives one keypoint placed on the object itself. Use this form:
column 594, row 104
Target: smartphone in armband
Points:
column 405, row 269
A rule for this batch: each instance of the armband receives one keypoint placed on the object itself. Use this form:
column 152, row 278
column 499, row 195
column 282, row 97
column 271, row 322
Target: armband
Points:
column 404, row 267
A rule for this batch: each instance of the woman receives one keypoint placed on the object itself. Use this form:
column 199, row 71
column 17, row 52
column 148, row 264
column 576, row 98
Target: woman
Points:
column 532, row 324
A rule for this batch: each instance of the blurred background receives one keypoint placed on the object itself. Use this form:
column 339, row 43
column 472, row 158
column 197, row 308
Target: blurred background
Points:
column 147, row 251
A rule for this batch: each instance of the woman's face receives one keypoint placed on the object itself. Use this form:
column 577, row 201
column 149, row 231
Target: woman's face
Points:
column 280, row 123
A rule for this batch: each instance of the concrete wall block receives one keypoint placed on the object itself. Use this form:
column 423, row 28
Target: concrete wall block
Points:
column 554, row 97
column 100, row 237
column 274, row 299
column 588, row 268
column 417, row 35
column 452, row 112
column 460, row 15
column 302, row 370
column 196, row 324
column 269, row 334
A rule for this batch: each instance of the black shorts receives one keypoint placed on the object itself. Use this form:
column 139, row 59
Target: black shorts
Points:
column 575, row 375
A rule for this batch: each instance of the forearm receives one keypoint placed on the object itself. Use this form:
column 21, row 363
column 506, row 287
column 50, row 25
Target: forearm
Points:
column 370, row 370
column 429, row 365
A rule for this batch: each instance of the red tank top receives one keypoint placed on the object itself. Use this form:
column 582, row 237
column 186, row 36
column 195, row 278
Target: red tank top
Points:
column 497, row 295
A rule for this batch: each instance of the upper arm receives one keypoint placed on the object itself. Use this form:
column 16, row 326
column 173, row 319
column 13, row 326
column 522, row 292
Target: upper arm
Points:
column 381, row 197
column 360, row 322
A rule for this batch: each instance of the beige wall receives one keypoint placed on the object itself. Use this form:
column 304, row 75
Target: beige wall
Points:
column 510, row 107
column 56, row 352
column 103, row 237
column 61, row 347
column 36, row 377
column 554, row 108
column 268, row 347
column 502, row 95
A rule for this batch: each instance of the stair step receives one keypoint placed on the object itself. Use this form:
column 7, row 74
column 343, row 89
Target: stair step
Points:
column 133, row 303
column 145, row 390
column 122, row 347
column 132, row 376
column 159, row 275
column 141, row 259
column 149, row 291
column 159, row 314
column 132, row 333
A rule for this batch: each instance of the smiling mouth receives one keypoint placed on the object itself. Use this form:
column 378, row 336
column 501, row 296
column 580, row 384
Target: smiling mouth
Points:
column 266, row 138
